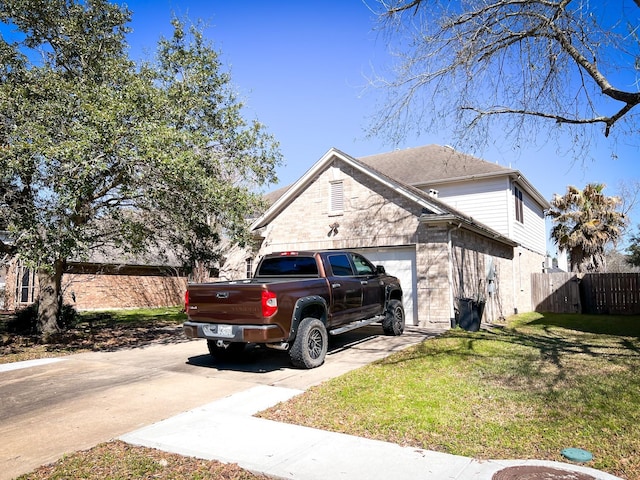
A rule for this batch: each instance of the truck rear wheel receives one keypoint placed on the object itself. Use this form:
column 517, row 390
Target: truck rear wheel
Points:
column 229, row 351
column 310, row 345
column 393, row 323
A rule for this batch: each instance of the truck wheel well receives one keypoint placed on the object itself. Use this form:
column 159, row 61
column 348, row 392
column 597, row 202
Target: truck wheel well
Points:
column 395, row 295
column 308, row 307
column 315, row 311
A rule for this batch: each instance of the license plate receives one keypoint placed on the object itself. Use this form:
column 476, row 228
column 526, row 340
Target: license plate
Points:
column 219, row 330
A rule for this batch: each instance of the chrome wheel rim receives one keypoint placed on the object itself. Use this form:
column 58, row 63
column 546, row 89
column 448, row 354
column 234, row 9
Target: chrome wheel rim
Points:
column 315, row 343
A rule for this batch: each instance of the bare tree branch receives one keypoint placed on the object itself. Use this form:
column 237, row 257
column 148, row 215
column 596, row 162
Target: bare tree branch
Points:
column 563, row 60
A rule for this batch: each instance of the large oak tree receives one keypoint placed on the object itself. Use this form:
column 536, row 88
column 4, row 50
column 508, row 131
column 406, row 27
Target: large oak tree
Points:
column 97, row 151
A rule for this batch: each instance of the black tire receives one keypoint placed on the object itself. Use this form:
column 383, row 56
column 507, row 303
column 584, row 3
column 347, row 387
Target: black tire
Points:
column 310, row 345
column 393, row 323
column 231, row 351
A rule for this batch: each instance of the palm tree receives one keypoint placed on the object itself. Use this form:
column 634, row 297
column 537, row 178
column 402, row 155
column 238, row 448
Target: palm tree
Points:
column 585, row 222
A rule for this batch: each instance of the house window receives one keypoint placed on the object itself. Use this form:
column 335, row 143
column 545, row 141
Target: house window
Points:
column 336, row 199
column 26, row 280
column 517, row 195
column 249, row 267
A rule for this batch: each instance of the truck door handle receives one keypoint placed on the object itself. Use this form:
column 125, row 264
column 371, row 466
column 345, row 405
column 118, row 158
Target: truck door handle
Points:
column 335, row 285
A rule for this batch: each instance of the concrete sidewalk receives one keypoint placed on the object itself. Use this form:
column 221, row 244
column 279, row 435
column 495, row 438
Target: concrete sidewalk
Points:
column 225, row 430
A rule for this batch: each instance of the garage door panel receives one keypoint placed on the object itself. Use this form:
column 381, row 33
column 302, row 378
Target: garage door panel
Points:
column 399, row 262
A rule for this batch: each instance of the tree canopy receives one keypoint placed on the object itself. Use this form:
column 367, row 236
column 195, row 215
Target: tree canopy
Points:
column 97, row 151
column 585, row 222
column 572, row 64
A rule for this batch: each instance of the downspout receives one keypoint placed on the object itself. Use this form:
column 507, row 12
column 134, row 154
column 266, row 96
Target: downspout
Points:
column 452, row 311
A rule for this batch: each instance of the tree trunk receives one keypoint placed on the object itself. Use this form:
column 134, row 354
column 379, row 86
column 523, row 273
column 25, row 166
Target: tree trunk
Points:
column 50, row 299
column 200, row 272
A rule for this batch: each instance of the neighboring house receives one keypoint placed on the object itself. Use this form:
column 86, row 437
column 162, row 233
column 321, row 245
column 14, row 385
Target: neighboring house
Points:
column 448, row 225
column 103, row 282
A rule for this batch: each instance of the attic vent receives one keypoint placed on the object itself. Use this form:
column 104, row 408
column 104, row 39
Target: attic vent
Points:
column 433, row 192
column 336, row 197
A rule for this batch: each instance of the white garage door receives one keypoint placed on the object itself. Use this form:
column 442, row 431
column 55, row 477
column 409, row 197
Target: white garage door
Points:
column 399, row 262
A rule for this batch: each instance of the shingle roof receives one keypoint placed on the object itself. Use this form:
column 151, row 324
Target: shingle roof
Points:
column 434, row 210
column 431, row 164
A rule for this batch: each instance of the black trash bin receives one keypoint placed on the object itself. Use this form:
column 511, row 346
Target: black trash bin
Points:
column 470, row 314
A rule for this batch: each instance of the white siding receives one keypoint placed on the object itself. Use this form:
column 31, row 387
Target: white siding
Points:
column 532, row 233
column 491, row 202
column 484, row 200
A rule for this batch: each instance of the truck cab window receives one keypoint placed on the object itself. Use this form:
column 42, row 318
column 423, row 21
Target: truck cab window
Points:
column 340, row 265
column 363, row 267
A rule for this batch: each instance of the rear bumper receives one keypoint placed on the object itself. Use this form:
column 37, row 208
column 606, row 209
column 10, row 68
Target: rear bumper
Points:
column 234, row 333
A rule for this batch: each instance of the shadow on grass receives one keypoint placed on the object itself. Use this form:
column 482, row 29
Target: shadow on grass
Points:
column 104, row 332
column 542, row 354
column 618, row 325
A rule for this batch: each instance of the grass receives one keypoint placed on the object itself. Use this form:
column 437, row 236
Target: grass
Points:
column 538, row 385
column 541, row 384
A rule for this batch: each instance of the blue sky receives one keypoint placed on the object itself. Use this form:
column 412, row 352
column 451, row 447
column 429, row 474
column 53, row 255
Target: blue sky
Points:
column 302, row 67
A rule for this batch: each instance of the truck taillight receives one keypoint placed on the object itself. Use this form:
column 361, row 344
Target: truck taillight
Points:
column 269, row 303
column 186, row 301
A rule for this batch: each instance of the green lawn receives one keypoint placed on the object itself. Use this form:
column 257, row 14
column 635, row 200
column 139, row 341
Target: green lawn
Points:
column 541, row 384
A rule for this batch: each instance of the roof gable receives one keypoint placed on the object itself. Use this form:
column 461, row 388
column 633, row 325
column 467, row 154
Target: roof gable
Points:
column 428, row 203
column 433, row 210
column 435, row 164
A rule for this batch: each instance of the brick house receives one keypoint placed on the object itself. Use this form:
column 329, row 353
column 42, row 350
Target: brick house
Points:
column 449, row 225
column 104, row 282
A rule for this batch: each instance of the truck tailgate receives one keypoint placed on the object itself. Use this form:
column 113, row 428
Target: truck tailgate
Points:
column 226, row 302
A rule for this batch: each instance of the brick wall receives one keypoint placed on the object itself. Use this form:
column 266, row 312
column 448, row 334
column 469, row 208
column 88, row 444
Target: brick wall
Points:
column 433, row 289
column 89, row 287
column 370, row 218
column 526, row 263
column 88, row 291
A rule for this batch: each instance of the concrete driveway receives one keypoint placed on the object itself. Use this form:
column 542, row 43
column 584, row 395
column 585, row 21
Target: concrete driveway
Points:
column 76, row 402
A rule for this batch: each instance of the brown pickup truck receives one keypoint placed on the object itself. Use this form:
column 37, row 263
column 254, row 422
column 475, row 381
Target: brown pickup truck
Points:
column 292, row 303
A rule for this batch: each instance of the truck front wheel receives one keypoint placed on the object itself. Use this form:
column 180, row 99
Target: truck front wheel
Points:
column 393, row 323
column 222, row 351
column 310, row 346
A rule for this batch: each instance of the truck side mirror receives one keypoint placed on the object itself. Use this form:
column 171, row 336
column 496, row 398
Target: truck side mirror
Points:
column 380, row 270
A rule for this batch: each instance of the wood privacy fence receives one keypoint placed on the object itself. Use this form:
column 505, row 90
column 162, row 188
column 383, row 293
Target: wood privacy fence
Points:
column 594, row 293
